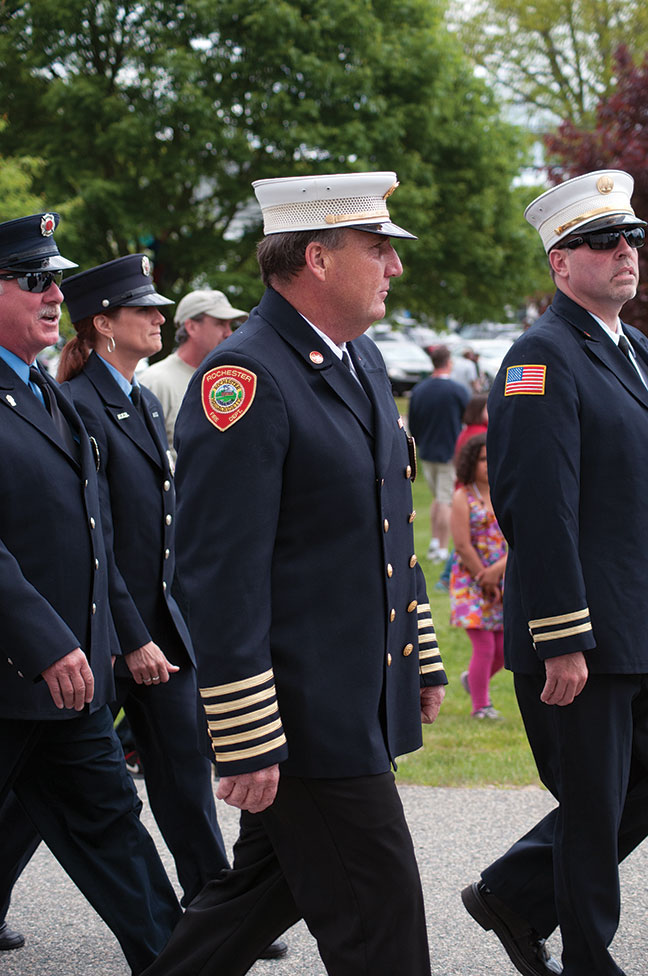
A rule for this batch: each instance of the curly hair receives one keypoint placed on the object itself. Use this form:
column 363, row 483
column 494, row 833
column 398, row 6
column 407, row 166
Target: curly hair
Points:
column 468, row 458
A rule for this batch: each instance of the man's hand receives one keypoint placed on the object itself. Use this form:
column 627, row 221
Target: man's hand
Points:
column 431, row 699
column 250, row 791
column 148, row 665
column 70, row 681
column 566, row 678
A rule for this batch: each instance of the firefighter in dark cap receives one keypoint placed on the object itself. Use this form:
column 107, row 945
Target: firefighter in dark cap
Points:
column 117, row 315
column 59, row 757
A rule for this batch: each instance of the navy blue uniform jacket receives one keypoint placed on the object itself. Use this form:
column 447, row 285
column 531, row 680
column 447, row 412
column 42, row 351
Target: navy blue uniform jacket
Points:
column 307, row 608
column 138, row 510
column 567, row 468
column 53, row 566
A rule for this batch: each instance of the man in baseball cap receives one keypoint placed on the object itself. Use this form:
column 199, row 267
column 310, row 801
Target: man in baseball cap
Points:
column 203, row 319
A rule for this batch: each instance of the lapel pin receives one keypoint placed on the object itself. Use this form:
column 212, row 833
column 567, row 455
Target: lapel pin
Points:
column 10, row 400
column 316, row 357
column 122, row 416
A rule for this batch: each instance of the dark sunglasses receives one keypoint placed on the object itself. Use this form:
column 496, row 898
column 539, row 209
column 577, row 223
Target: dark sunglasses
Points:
column 607, row 240
column 35, row 281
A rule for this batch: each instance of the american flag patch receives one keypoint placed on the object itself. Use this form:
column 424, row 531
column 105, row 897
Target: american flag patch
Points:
column 525, row 379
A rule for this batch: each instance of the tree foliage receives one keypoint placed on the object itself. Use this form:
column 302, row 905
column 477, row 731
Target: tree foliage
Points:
column 17, row 176
column 154, row 116
column 619, row 141
column 555, row 56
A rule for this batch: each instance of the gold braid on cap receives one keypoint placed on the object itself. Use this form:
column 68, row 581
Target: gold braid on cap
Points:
column 590, row 214
column 367, row 215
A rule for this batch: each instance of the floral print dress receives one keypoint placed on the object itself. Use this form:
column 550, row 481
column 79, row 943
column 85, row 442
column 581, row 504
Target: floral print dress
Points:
column 468, row 606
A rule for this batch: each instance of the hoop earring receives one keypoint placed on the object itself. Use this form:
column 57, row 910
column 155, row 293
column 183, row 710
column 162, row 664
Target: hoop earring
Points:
column 110, row 343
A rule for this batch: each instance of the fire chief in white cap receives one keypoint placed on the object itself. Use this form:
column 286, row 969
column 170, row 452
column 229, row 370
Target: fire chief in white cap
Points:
column 567, row 452
column 317, row 653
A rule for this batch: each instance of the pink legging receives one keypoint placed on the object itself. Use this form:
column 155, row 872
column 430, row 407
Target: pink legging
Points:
column 487, row 659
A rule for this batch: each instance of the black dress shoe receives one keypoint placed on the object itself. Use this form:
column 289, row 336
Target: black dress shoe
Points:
column 10, row 939
column 526, row 950
column 276, row 950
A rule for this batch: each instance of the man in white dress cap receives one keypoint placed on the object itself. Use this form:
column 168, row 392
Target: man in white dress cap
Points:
column 567, row 455
column 317, row 657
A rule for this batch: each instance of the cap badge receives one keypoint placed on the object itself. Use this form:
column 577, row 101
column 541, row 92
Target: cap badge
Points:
column 316, row 357
column 227, row 394
column 47, row 225
column 605, row 184
column 146, row 266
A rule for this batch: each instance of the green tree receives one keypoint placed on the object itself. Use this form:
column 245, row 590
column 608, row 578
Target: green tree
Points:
column 17, row 176
column 555, row 56
column 154, row 117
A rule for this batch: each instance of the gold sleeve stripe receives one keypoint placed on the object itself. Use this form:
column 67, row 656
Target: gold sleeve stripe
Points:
column 256, row 679
column 250, row 753
column 563, row 618
column 428, row 668
column 429, row 652
column 244, row 719
column 428, row 638
column 236, row 703
column 423, row 608
column 233, row 740
column 566, row 632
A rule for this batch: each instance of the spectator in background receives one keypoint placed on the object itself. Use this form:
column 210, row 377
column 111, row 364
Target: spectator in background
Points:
column 475, row 421
column 476, row 577
column 203, row 319
column 436, row 408
column 465, row 371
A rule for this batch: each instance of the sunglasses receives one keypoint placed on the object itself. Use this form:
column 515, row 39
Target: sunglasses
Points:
column 34, row 281
column 607, row 240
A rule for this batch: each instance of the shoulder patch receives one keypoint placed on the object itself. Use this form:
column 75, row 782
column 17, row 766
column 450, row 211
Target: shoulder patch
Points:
column 529, row 380
column 227, row 394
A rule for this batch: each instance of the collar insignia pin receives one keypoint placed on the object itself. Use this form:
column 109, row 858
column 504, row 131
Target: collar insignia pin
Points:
column 316, row 357
column 10, row 400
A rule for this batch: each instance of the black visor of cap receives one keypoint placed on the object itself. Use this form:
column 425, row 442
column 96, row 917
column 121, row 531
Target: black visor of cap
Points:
column 386, row 229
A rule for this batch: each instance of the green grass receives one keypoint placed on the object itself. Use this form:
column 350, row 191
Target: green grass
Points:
column 457, row 749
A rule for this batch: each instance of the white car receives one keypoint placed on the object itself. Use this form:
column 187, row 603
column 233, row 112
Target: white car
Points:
column 406, row 362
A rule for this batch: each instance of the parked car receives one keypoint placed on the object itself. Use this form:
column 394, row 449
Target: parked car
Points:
column 406, row 362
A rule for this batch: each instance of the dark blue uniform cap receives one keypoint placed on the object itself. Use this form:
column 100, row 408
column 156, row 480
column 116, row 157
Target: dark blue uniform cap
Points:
column 124, row 281
column 27, row 244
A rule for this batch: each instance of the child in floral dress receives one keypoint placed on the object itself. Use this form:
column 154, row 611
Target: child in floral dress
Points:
column 477, row 573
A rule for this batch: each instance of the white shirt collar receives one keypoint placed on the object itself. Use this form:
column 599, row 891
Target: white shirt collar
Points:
column 614, row 336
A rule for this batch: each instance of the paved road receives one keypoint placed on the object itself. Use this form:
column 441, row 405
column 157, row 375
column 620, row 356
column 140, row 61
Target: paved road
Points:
column 456, row 832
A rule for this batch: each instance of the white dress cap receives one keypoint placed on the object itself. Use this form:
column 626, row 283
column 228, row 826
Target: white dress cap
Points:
column 297, row 203
column 590, row 202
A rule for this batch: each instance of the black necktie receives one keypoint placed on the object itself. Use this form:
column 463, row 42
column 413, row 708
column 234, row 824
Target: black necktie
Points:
column 625, row 347
column 52, row 407
column 136, row 396
column 346, row 360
